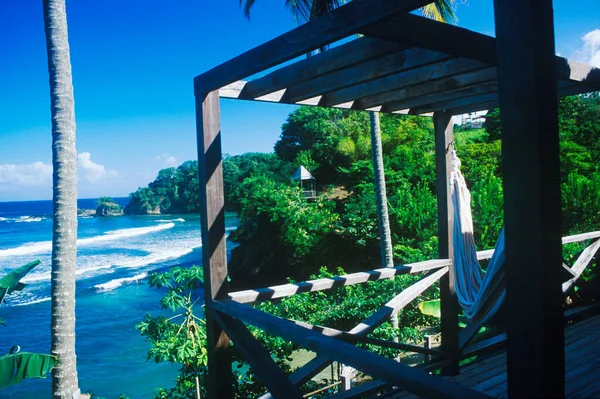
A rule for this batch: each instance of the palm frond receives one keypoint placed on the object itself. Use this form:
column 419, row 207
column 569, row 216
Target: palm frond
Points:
column 305, row 10
column 246, row 6
column 441, row 10
column 300, row 9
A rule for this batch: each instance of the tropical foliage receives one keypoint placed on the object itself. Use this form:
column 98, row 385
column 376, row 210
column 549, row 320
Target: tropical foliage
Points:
column 106, row 206
column 282, row 235
column 175, row 190
column 16, row 365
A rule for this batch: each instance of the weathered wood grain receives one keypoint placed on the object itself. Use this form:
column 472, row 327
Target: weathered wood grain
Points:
column 214, row 255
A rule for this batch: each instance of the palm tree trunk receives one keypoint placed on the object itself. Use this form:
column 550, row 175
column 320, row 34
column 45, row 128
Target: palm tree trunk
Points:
column 383, row 221
column 64, row 236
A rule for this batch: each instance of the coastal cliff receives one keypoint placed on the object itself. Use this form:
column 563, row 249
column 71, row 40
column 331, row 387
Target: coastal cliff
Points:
column 175, row 190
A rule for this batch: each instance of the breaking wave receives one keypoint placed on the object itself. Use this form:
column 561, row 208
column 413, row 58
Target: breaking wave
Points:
column 46, row 246
column 116, row 283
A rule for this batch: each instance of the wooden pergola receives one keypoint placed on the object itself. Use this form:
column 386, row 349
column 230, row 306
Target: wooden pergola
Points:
column 404, row 63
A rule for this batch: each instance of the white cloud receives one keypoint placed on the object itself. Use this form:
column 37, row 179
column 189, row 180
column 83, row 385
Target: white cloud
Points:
column 34, row 180
column 91, row 171
column 28, row 175
column 167, row 158
column 591, row 48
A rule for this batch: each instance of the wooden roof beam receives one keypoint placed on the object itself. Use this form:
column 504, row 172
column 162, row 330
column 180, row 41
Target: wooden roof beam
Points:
column 430, row 87
column 441, row 97
column 578, row 72
column 444, row 69
column 335, row 25
column 363, row 72
column 475, row 107
column 564, row 89
column 454, row 103
column 475, row 101
column 416, row 31
column 340, row 57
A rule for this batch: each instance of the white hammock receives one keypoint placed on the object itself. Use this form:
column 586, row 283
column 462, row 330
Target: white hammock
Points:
column 480, row 293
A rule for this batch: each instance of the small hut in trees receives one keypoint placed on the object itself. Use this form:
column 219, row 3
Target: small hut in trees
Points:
column 307, row 182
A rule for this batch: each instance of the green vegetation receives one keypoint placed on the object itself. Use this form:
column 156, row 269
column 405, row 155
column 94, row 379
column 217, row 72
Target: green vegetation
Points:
column 175, row 190
column 12, row 281
column 106, row 206
column 181, row 338
column 281, row 236
column 16, row 365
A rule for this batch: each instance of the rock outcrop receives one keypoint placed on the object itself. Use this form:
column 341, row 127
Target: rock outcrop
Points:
column 107, row 207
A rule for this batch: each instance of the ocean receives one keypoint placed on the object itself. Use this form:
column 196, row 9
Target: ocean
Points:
column 114, row 258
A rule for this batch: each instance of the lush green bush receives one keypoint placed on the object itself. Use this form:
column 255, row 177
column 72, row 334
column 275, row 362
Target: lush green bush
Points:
column 175, row 190
column 181, row 339
column 280, row 233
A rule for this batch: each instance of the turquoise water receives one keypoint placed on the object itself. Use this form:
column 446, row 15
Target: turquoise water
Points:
column 115, row 256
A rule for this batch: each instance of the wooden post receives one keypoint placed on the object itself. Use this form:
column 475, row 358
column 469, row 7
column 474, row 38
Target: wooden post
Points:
column 427, row 345
column 214, row 255
column 532, row 207
column 444, row 136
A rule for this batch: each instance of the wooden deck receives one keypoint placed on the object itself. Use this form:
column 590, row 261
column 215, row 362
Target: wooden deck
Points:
column 488, row 374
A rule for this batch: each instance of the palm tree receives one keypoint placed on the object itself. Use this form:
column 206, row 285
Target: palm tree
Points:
column 305, row 10
column 64, row 235
column 383, row 220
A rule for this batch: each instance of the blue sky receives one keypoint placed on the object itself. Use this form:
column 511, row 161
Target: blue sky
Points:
column 133, row 64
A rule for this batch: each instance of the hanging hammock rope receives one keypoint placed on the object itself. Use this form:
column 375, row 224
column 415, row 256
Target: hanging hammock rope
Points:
column 479, row 292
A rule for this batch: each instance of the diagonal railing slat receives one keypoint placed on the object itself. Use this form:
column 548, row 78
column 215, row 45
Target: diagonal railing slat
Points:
column 411, row 379
column 258, row 357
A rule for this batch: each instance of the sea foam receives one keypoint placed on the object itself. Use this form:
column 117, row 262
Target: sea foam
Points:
column 113, row 284
column 170, row 220
column 46, row 246
column 28, row 219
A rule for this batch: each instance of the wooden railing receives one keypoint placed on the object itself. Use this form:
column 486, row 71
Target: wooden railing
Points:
column 335, row 345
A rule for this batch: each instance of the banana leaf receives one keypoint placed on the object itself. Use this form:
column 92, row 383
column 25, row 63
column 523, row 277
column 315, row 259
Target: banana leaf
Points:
column 434, row 308
column 431, row 308
column 10, row 282
column 16, row 367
